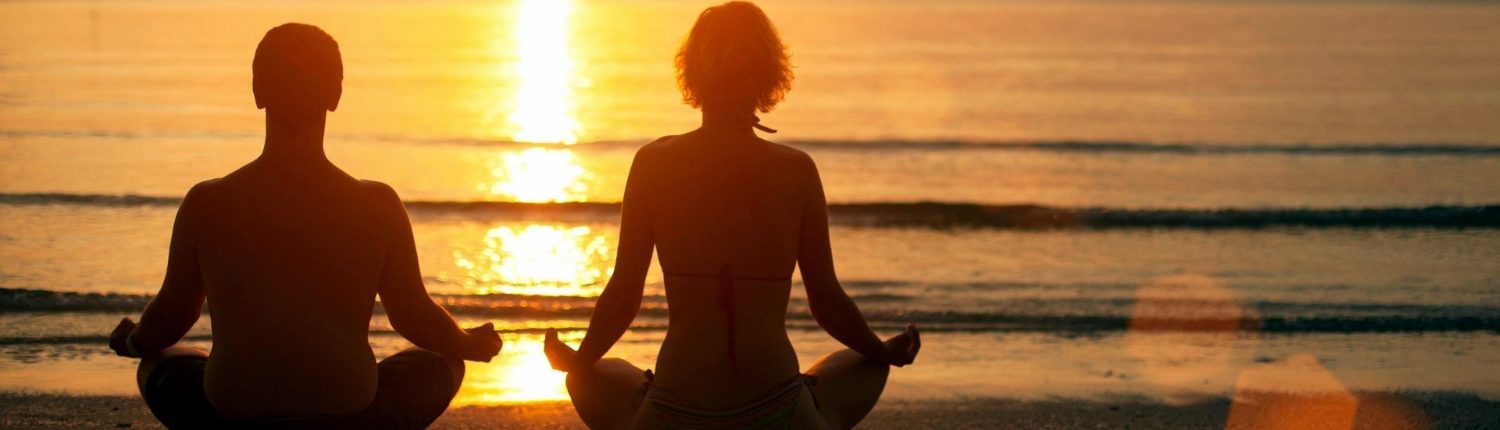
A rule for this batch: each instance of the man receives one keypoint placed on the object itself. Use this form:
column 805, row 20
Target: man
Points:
column 290, row 253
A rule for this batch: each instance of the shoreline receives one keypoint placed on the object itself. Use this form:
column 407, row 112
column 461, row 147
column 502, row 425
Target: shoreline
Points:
column 1372, row 410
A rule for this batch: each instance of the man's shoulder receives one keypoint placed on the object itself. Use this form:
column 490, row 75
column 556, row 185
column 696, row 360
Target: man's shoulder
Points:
column 382, row 199
column 205, row 190
column 380, row 192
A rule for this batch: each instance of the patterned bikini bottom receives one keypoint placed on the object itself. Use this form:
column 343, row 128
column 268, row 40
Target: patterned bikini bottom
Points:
column 770, row 410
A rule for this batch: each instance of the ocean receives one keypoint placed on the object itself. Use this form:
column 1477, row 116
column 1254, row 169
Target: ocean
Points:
column 1075, row 199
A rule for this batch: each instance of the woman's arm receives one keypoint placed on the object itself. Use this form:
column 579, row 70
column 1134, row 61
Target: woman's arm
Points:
column 830, row 306
column 621, row 299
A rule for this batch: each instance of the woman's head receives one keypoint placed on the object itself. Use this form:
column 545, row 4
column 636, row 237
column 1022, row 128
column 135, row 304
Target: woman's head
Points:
column 733, row 60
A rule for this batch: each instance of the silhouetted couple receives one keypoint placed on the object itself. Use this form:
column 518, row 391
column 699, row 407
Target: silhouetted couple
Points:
column 291, row 253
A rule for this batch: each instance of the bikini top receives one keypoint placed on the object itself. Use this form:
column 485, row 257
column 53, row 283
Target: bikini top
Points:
column 726, row 300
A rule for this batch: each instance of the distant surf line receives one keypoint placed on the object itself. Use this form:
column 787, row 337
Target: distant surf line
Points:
column 934, row 214
column 1068, row 315
column 1395, row 149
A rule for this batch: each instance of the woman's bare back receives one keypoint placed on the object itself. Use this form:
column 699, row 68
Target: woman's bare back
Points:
column 724, row 201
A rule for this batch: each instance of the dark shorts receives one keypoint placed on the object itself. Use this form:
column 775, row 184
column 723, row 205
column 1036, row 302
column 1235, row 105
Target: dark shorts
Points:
column 414, row 389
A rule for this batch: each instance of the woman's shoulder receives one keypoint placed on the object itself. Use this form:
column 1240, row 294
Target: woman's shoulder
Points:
column 683, row 144
column 788, row 151
column 658, row 146
column 788, row 155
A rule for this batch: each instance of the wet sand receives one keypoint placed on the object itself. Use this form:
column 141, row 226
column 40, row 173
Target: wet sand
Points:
column 1373, row 411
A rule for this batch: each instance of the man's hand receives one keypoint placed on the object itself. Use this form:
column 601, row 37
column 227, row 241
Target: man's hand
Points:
column 117, row 338
column 559, row 354
column 484, row 343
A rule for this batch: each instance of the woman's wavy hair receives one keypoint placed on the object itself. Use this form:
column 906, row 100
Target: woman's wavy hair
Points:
column 733, row 59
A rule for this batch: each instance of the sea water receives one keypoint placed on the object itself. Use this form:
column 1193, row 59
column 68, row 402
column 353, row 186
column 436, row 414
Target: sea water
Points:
column 1077, row 199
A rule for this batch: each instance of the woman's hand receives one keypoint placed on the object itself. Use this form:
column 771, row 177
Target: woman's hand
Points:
column 484, row 343
column 902, row 349
column 119, row 339
column 559, row 354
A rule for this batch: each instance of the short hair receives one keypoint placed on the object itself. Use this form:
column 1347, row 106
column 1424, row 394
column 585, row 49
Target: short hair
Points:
column 733, row 59
column 297, row 66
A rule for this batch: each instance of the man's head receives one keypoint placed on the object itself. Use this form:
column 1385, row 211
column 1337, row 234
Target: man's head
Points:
column 298, row 73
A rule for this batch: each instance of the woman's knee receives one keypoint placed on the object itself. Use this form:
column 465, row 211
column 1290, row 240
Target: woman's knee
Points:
column 847, row 360
column 605, row 369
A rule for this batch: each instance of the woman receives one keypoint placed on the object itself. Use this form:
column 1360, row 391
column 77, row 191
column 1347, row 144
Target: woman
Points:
column 731, row 215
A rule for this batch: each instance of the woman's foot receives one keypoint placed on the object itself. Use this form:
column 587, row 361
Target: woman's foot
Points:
column 903, row 348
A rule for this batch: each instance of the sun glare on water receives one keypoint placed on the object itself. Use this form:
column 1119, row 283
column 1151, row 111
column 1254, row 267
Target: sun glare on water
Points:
column 537, row 175
column 539, row 260
column 543, row 112
column 520, row 374
column 530, row 260
column 534, row 259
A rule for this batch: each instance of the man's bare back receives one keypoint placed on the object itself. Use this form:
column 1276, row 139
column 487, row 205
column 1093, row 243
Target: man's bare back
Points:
column 290, row 253
column 291, row 261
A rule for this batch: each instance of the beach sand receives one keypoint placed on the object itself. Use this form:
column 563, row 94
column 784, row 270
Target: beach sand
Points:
column 1374, row 411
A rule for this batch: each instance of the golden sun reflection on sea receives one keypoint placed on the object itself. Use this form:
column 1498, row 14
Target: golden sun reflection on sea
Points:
column 520, row 374
column 544, row 108
column 537, row 175
column 538, row 260
column 534, row 259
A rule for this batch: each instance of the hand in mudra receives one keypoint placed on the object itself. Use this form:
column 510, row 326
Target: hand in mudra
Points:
column 902, row 349
column 559, row 354
column 117, row 338
column 484, row 343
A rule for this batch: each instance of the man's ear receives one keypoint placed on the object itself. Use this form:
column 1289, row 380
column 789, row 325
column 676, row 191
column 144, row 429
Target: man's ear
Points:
column 255, row 89
column 338, row 93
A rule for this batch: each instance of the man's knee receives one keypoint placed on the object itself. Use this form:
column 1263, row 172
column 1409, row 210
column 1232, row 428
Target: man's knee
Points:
column 454, row 365
column 150, row 362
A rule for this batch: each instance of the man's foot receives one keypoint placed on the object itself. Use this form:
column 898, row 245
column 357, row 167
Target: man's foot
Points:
column 559, row 354
column 904, row 347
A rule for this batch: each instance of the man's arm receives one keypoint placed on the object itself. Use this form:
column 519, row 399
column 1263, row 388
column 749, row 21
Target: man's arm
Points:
column 178, row 304
column 403, row 295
